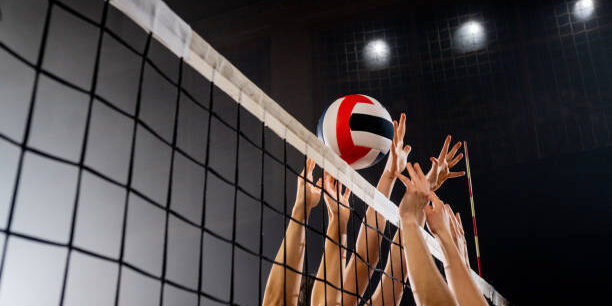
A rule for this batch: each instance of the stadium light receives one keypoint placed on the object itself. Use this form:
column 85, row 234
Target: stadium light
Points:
column 377, row 54
column 584, row 9
column 470, row 36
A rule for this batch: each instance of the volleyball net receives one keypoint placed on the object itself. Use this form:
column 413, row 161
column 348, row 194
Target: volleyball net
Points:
column 139, row 167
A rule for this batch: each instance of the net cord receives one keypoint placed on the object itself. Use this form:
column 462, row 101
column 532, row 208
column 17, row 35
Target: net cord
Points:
column 155, row 17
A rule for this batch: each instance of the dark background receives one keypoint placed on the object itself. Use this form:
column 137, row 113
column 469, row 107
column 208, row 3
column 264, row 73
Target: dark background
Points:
column 534, row 104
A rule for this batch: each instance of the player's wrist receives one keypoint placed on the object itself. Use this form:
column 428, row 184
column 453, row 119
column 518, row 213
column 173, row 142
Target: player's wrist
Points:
column 444, row 237
column 300, row 207
column 408, row 223
column 388, row 174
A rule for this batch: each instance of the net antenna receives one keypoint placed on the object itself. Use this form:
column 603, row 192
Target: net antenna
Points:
column 469, row 181
column 169, row 29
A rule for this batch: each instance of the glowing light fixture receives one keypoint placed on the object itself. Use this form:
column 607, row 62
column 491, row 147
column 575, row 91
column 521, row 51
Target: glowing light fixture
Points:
column 584, row 9
column 470, row 36
column 377, row 54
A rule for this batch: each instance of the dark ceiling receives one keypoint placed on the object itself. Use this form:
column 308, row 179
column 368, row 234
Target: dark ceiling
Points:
column 193, row 10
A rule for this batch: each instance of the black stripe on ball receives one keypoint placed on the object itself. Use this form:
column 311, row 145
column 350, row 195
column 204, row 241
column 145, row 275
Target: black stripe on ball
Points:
column 371, row 124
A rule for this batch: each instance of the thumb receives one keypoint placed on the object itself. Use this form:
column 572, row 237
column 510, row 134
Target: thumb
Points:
column 407, row 149
column 434, row 162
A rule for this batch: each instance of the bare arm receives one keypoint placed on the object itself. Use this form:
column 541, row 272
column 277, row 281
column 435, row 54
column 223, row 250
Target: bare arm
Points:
column 294, row 243
column 359, row 269
column 332, row 263
column 391, row 290
column 428, row 286
column 442, row 223
column 459, row 279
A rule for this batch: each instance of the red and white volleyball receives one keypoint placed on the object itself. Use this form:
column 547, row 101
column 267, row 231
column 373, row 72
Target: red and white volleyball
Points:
column 358, row 128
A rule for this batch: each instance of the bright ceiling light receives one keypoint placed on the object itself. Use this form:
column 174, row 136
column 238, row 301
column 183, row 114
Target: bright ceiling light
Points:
column 470, row 36
column 584, row 9
column 377, row 54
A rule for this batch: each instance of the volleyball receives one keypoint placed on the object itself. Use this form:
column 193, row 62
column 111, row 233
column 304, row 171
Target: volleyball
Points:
column 358, row 128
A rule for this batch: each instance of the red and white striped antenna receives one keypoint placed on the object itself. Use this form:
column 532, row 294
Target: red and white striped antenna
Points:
column 469, row 180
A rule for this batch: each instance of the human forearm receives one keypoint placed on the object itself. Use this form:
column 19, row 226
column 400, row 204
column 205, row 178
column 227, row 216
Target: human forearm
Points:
column 391, row 290
column 294, row 244
column 361, row 265
column 428, row 287
column 458, row 276
column 367, row 246
column 368, row 240
column 386, row 183
column 331, row 267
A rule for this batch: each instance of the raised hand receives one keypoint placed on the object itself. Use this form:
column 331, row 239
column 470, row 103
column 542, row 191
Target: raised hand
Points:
column 440, row 167
column 438, row 220
column 442, row 222
column 283, row 285
column 341, row 211
column 459, row 235
column 398, row 152
column 311, row 194
column 416, row 196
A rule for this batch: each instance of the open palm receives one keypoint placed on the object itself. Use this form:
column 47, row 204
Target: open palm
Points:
column 311, row 194
column 440, row 167
column 398, row 153
column 336, row 206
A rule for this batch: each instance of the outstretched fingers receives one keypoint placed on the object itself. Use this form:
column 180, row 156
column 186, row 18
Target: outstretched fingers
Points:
column 314, row 190
column 459, row 223
column 310, row 165
column 402, row 126
column 445, row 147
column 395, row 132
column 406, row 181
column 346, row 195
column 451, row 217
column 435, row 201
column 421, row 179
column 456, row 174
column 455, row 160
column 453, row 151
column 407, row 149
column 330, row 185
column 411, row 172
column 420, row 173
